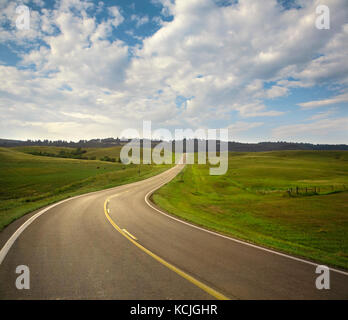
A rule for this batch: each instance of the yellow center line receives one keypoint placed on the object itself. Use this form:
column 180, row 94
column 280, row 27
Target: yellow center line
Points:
column 125, row 231
column 181, row 273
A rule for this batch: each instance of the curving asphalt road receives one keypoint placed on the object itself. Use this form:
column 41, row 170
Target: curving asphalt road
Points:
column 113, row 245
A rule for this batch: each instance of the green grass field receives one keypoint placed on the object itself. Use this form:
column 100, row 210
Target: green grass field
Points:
column 98, row 153
column 29, row 182
column 251, row 201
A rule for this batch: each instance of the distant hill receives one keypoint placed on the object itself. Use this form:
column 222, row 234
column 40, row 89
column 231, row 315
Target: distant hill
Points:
column 94, row 143
column 277, row 146
column 232, row 146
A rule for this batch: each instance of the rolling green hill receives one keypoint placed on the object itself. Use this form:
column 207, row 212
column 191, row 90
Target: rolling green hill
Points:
column 28, row 182
column 90, row 153
column 252, row 201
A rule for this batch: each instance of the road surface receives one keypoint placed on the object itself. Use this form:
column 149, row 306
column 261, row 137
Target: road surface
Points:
column 112, row 245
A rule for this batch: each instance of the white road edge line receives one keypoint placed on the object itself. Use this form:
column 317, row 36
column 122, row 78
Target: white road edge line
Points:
column 229, row 238
column 7, row 246
column 9, row 243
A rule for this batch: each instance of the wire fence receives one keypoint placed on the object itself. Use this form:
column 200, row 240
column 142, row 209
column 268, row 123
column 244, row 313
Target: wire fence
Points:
column 293, row 191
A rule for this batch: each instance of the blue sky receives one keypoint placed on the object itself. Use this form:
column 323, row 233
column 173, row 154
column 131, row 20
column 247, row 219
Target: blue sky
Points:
column 88, row 69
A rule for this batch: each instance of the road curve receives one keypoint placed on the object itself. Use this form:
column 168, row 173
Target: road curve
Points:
column 112, row 245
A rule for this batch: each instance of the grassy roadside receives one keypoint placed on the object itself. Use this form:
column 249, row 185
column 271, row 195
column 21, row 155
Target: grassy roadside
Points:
column 251, row 202
column 89, row 153
column 30, row 182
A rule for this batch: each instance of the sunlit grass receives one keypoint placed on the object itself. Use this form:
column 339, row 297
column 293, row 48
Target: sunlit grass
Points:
column 251, row 201
column 29, row 182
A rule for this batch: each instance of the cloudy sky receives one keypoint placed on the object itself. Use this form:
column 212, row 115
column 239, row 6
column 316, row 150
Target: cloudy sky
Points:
column 89, row 69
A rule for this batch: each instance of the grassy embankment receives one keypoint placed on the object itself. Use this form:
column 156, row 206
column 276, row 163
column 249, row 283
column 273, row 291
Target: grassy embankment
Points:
column 66, row 152
column 29, row 182
column 251, row 201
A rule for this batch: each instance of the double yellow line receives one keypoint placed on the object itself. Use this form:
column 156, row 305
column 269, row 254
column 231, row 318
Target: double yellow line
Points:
column 181, row 273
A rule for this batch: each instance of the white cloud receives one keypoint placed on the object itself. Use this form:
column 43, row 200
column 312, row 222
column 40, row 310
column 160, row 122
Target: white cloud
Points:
column 256, row 110
column 220, row 57
column 322, row 115
column 140, row 20
column 276, row 92
column 116, row 15
column 168, row 6
column 324, row 130
column 320, row 103
column 39, row 3
column 93, row 117
column 241, row 126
